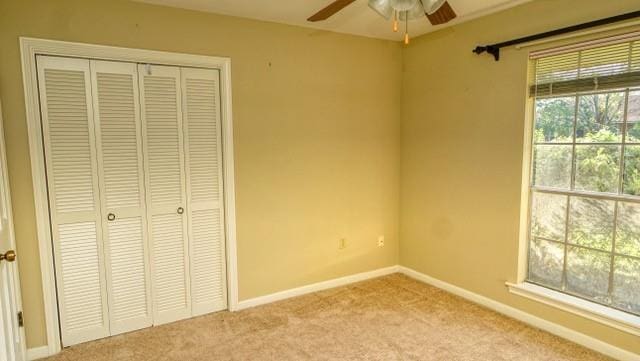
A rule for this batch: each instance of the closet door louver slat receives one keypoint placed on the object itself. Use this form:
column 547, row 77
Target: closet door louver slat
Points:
column 119, row 149
column 203, row 153
column 67, row 121
column 166, row 192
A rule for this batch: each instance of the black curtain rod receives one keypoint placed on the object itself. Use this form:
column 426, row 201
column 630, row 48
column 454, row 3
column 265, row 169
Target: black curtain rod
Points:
column 494, row 49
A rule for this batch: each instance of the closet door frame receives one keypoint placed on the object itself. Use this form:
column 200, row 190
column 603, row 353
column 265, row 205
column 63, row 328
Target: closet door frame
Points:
column 30, row 47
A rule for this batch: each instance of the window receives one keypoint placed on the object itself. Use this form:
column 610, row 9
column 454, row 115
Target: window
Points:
column 584, row 216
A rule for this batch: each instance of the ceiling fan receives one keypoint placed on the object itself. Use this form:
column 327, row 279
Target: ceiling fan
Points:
column 437, row 11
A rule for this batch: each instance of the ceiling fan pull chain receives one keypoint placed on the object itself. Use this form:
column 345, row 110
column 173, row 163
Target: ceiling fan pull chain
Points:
column 406, row 28
column 395, row 20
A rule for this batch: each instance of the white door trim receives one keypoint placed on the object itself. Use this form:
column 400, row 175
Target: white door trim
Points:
column 31, row 47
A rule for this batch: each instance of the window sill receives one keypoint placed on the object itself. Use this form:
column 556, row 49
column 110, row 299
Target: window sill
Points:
column 608, row 316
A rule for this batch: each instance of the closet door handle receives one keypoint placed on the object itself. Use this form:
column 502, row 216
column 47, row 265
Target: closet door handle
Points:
column 9, row 256
column 111, row 217
column 180, row 210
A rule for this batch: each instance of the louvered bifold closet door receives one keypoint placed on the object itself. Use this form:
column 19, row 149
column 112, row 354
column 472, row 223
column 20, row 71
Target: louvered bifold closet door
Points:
column 203, row 152
column 68, row 132
column 120, row 168
column 166, row 193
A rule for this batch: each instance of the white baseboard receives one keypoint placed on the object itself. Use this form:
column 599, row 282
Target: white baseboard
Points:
column 37, row 353
column 561, row 331
column 336, row 282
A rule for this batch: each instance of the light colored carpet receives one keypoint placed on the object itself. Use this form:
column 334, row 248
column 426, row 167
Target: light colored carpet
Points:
column 388, row 318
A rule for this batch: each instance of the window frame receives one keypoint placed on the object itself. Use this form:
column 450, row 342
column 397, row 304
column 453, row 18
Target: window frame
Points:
column 563, row 300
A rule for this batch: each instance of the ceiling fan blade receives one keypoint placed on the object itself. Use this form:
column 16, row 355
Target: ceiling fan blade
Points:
column 328, row 11
column 443, row 15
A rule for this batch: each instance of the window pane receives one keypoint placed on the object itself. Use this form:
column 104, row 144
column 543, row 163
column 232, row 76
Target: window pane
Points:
column 548, row 216
column 591, row 223
column 546, row 261
column 626, row 284
column 588, row 273
column 552, row 166
column 628, row 229
column 600, row 117
column 632, row 170
column 597, row 168
column 633, row 117
column 554, row 119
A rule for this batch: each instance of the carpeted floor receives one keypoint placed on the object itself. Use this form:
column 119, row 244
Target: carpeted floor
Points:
column 388, row 318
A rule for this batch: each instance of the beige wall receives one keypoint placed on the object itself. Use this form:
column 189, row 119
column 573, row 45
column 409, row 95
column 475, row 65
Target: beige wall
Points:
column 317, row 133
column 462, row 149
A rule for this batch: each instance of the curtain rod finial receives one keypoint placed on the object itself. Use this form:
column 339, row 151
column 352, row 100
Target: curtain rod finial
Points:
column 479, row 49
column 493, row 50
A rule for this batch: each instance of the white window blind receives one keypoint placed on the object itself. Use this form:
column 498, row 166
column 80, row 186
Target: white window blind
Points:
column 597, row 65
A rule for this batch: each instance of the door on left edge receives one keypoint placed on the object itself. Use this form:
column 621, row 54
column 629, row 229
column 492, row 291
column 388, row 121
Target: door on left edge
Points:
column 11, row 338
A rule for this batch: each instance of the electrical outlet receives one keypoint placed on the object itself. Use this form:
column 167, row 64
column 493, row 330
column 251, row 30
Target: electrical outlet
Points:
column 380, row 241
column 342, row 244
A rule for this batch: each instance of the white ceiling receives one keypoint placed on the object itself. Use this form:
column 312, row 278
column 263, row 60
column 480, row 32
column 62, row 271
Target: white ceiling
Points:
column 356, row 18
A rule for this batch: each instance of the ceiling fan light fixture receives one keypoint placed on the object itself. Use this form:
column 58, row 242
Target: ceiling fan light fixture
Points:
column 431, row 6
column 382, row 7
column 403, row 5
column 416, row 12
column 399, row 10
